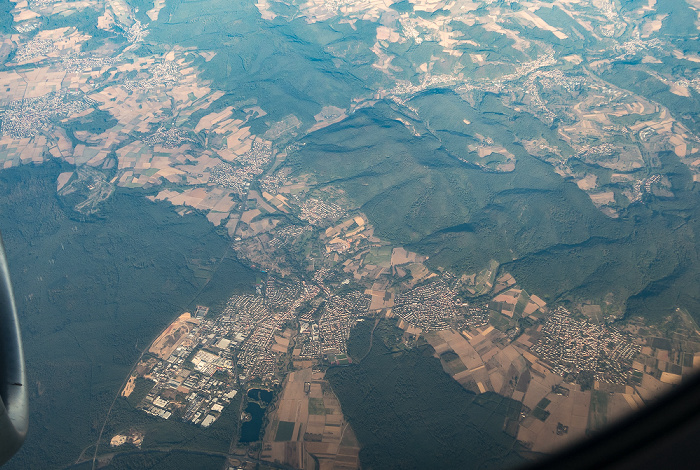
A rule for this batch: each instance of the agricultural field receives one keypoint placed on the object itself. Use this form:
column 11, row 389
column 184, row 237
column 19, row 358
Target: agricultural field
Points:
column 308, row 427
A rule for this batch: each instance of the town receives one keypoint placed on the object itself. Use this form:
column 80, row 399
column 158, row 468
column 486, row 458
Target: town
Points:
column 570, row 346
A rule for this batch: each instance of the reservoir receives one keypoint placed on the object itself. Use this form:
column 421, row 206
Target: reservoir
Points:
column 250, row 430
column 260, row 395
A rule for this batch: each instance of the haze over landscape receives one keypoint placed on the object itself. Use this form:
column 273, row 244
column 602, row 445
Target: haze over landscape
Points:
column 344, row 234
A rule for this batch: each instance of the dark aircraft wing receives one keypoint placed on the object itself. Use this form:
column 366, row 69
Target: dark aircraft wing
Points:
column 13, row 391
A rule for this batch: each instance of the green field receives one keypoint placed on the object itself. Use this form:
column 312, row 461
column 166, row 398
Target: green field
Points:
column 598, row 411
column 540, row 411
column 285, row 429
column 452, row 363
column 378, row 256
column 316, row 406
column 521, row 304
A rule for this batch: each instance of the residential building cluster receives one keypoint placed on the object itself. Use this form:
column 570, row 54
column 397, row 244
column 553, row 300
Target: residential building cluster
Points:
column 643, row 186
column 286, row 236
column 169, row 138
column 27, row 26
column 136, row 32
column 596, row 151
column 36, row 4
column 165, row 73
column 248, row 166
column 226, row 175
column 256, row 159
column 318, row 212
column 280, row 293
column 526, row 68
column 33, row 49
column 257, row 358
column 430, row 306
column 271, row 183
column 309, row 339
column 548, row 80
column 340, row 313
column 472, row 318
column 572, row 346
column 634, row 46
column 406, row 88
column 29, row 116
column 82, row 62
column 319, row 277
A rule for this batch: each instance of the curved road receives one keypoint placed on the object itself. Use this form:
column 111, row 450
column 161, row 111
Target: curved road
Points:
column 371, row 340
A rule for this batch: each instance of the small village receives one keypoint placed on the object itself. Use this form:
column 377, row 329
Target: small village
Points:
column 428, row 307
column 571, row 346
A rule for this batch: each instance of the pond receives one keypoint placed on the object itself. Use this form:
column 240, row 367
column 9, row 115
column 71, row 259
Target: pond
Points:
column 250, row 430
column 258, row 394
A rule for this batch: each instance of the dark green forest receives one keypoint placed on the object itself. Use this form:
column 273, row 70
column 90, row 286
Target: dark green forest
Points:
column 158, row 460
column 539, row 226
column 92, row 294
column 408, row 413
